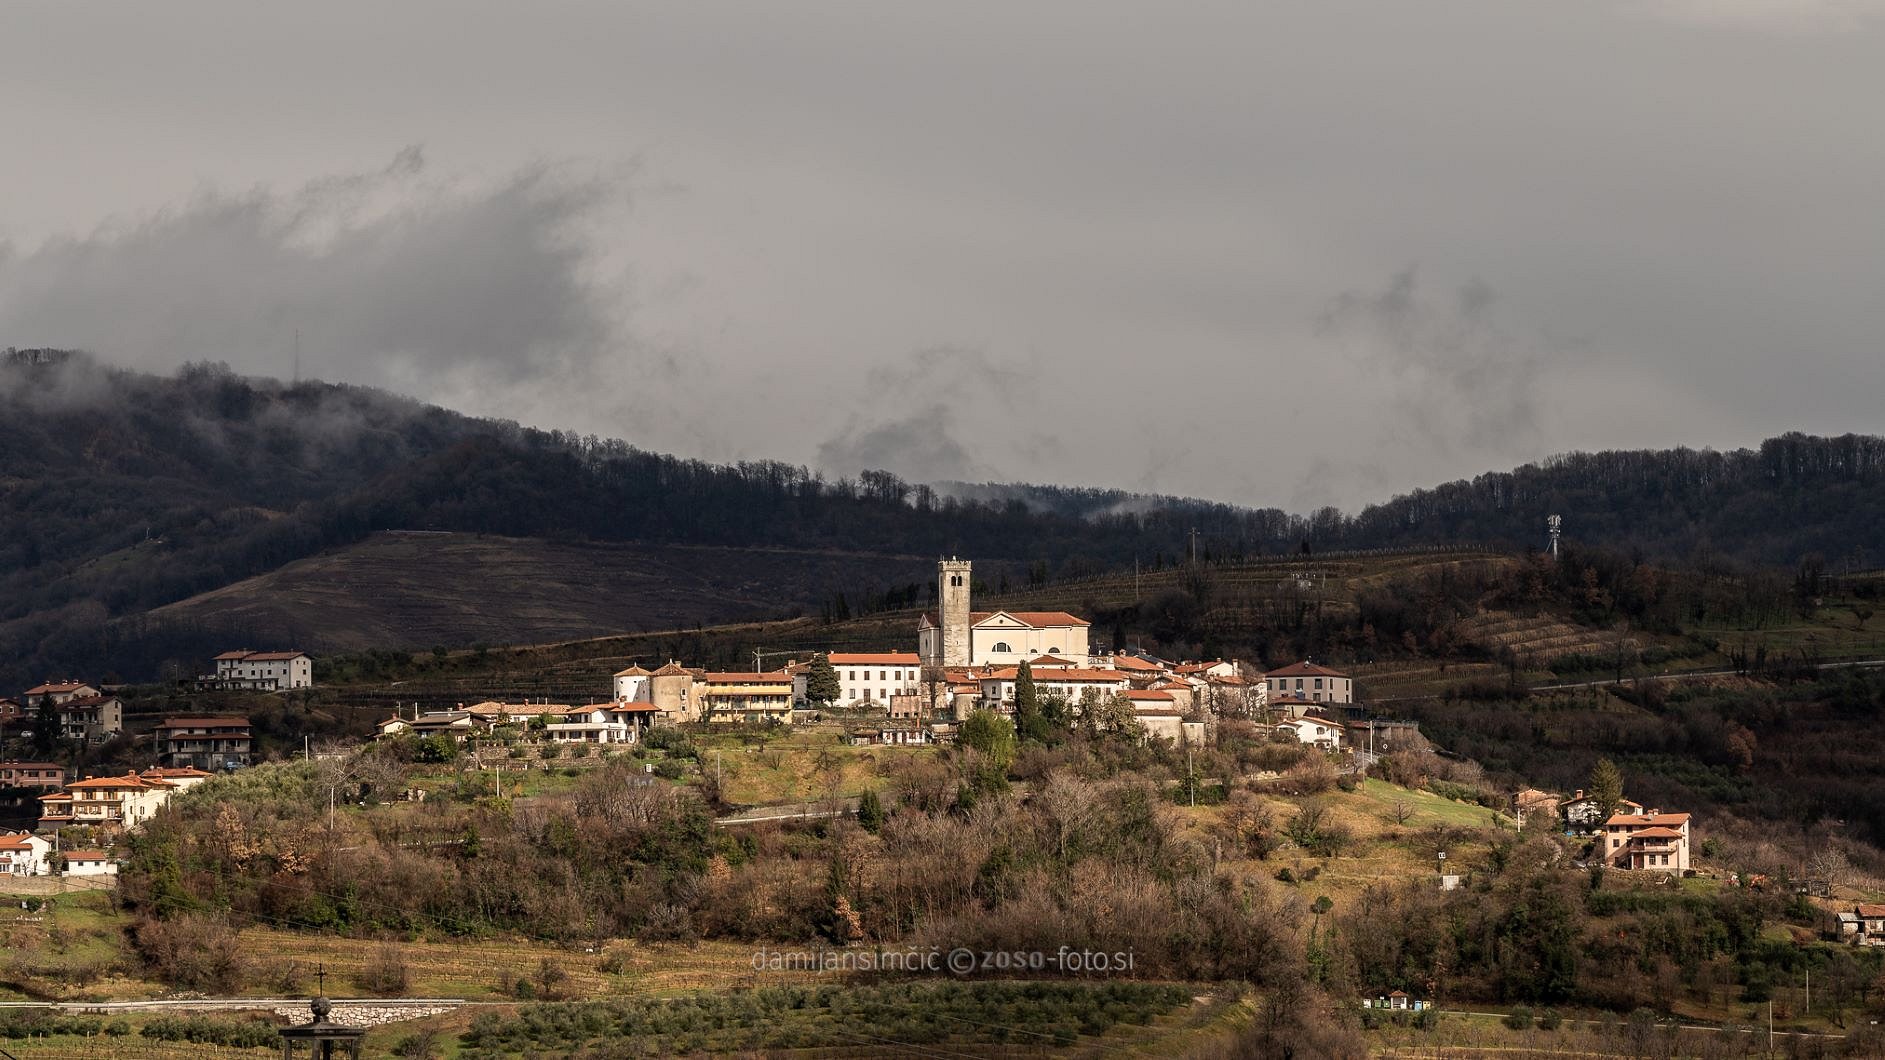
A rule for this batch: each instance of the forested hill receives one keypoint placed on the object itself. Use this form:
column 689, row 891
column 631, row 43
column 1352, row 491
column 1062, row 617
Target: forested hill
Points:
column 1793, row 497
column 121, row 492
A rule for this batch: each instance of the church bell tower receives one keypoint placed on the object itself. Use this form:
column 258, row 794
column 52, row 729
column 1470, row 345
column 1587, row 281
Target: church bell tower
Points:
column 952, row 608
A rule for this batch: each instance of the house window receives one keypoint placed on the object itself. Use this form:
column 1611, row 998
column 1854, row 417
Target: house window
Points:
column 1318, row 685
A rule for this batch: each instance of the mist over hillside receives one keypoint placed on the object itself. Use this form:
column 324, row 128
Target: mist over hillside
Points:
column 123, row 492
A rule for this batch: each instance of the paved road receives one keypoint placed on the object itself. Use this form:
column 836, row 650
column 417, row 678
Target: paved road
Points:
column 792, row 811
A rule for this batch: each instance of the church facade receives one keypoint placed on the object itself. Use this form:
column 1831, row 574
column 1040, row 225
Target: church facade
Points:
column 955, row 636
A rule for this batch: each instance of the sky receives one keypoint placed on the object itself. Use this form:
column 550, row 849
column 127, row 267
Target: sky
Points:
column 1284, row 254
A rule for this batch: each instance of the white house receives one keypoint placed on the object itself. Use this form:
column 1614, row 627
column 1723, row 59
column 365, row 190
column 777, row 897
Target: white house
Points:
column 57, row 691
column 873, row 677
column 1071, row 684
column 1321, row 732
column 24, row 854
column 631, row 685
column 617, row 722
column 273, row 671
column 90, row 863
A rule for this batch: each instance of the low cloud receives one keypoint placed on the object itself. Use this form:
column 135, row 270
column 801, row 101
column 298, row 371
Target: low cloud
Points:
column 480, row 295
column 1464, row 381
column 921, row 408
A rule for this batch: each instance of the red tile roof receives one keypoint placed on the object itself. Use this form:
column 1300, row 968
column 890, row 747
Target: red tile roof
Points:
column 632, row 671
column 1035, row 619
column 1009, row 673
column 1305, row 669
column 129, row 780
column 1151, row 697
column 1133, row 662
column 1868, row 910
column 87, row 855
column 777, row 677
column 203, row 723
column 882, row 658
column 1656, row 833
column 56, row 688
column 1651, row 819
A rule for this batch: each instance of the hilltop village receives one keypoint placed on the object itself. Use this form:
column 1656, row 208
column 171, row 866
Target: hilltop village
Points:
column 1001, row 663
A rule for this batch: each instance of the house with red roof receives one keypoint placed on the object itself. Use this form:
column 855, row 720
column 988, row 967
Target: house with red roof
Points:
column 1308, row 680
column 998, row 684
column 113, row 802
column 56, row 691
column 204, row 743
column 47, row 776
column 265, row 671
column 1653, row 840
column 24, row 854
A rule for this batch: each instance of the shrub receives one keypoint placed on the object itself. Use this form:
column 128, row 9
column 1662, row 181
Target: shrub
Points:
column 385, row 972
column 1549, row 1019
column 1518, row 1019
column 191, row 951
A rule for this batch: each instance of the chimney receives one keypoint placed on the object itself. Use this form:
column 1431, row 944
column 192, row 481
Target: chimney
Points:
column 1579, row 795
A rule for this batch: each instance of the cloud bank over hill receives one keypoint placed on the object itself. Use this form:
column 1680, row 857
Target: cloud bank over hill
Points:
column 1286, row 255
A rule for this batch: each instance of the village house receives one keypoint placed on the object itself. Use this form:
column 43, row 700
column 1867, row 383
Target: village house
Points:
column 454, row 723
column 1315, row 731
column 262, row 671
column 24, row 854
column 874, row 677
column 204, row 743
column 58, row 692
column 45, row 775
column 11, row 711
column 1582, row 813
column 602, row 723
column 631, row 685
column 1532, row 803
column 1306, row 680
column 115, row 802
column 89, row 863
column 182, row 778
column 672, row 691
column 746, row 697
column 1654, row 840
column 1204, row 671
column 1863, row 925
column 890, row 736
column 1159, row 717
column 1071, row 684
column 90, row 719
column 1142, row 671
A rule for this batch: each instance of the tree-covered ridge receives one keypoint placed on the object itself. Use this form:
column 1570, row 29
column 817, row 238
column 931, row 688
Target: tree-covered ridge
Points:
column 121, row 492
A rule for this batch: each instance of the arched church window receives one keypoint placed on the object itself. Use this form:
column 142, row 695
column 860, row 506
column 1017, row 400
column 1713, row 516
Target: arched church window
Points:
column 1053, row 651
column 1001, row 646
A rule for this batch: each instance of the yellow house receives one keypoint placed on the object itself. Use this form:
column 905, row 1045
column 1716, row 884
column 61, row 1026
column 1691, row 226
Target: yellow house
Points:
column 745, row 697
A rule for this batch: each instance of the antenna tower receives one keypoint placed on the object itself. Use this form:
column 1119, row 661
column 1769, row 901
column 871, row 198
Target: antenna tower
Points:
column 1554, row 525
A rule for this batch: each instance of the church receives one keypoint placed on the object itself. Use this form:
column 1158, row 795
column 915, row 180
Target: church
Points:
column 954, row 636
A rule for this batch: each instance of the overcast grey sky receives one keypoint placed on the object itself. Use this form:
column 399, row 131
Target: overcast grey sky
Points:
column 1273, row 253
